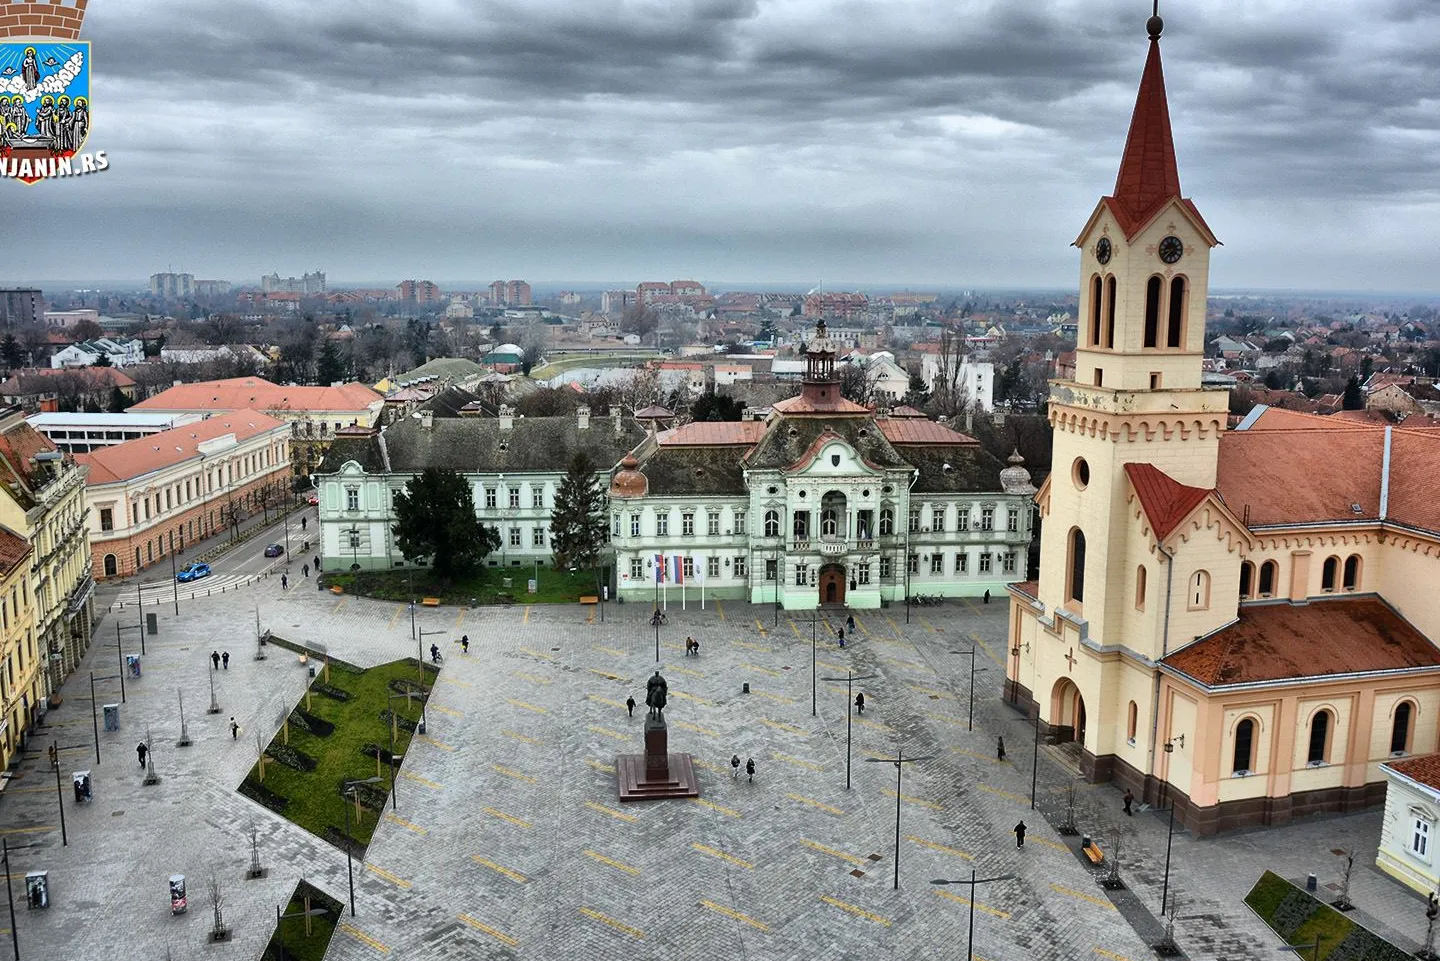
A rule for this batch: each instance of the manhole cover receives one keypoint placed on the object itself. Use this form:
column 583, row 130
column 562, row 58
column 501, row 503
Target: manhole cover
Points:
column 554, row 648
column 785, row 668
column 857, row 873
column 116, row 814
column 934, row 697
column 874, row 857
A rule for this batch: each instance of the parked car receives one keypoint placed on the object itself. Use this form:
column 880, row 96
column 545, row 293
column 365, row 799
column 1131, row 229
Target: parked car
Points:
column 313, row 500
column 193, row 572
column 274, row 550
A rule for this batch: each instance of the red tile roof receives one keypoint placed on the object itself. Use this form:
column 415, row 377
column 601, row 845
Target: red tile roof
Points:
column 1027, row 589
column 1278, row 642
column 13, row 550
column 257, row 393
column 914, row 430
column 1295, row 476
column 138, row 457
column 800, row 404
column 36, row 380
column 717, row 433
column 905, row 410
column 1415, row 478
column 1165, row 501
column 1424, row 769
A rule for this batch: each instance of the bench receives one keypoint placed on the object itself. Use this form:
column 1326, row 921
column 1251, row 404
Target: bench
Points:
column 431, row 602
column 1094, row 853
column 590, row 599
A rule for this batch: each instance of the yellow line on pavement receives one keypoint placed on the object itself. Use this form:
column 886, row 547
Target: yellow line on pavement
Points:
column 38, row 829
column 526, row 618
column 943, row 849
column 858, row 912
column 1099, row 902
column 459, row 616
column 774, row 697
column 941, row 695
column 687, row 726
column 686, row 671
column 500, row 936
column 532, row 678
column 708, row 766
column 932, row 627
column 399, row 882
column 433, row 742
column 814, row 845
column 729, row 913
column 863, row 629
column 399, row 609
column 760, row 670
column 961, row 899
column 517, row 775
column 635, row 933
column 596, row 729
column 515, row 876
column 976, row 754
column 691, row 697
column 607, row 700
column 900, row 662
column 716, row 807
column 1005, row 794
column 837, row 668
column 508, row 817
column 798, row 762
column 607, row 768
column 1111, row 954
column 590, row 618
column 364, row 938
column 394, row 818
column 912, row 799
column 895, row 627
column 610, row 650
column 343, row 601
column 423, row 781
column 445, row 710
column 520, row 737
column 530, row 650
column 1049, row 844
column 752, row 646
column 607, row 675
column 719, row 610
column 456, row 682
column 618, row 815
column 815, row 804
column 863, row 722
column 526, row 706
column 795, row 629
column 619, row 866
column 945, row 718
column 714, row 853
column 781, row 726
column 759, row 627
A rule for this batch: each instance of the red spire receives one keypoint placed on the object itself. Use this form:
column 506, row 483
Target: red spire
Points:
column 1148, row 175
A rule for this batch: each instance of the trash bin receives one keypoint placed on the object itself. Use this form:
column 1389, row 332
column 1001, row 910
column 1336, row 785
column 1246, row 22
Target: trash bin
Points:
column 37, row 889
column 112, row 717
column 81, row 782
column 745, row 688
column 151, row 622
column 178, row 902
column 312, row 670
column 132, row 662
column 1312, row 883
column 1084, row 841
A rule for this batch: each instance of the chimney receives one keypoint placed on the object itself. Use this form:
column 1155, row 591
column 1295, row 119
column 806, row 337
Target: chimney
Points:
column 427, row 420
column 583, row 413
column 507, row 417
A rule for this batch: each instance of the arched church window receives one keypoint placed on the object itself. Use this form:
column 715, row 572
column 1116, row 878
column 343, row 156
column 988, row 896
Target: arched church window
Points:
column 1329, row 573
column 1175, row 333
column 1247, row 579
column 1141, row 576
column 1199, row 590
column 1352, row 572
column 1400, row 730
column 1319, row 749
column 887, row 521
column 829, row 522
column 1269, row 571
column 772, row 523
column 1243, row 760
column 1095, row 310
column 1076, row 586
column 802, row 524
column 1152, row 312
column 1110, row 311
column 1132, row 722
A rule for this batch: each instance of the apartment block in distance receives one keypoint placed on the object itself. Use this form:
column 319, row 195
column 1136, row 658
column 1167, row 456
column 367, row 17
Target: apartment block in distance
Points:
column 172, row 286
column 20, row 306
column 417, row 292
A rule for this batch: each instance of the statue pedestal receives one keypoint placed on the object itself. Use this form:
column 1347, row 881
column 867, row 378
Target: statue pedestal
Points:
column 656, row 773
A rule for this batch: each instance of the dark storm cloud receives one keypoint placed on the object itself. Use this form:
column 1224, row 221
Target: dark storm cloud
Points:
column 928, row 142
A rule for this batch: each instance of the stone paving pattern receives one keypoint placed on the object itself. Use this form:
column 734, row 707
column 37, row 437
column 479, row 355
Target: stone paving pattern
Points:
column 508, row 841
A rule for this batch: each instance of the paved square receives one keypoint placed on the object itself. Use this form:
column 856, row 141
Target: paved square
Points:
column 507, row 839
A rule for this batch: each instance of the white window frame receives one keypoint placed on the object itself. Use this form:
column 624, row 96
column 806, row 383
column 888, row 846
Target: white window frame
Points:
column 662, row 523
column 987, row 562
column 739, row 565
column 1421, row 831
column 687, row 524
column 937, row 563
column 637, row 569
column 712, row 567
column 712, row 523
column 739, row 522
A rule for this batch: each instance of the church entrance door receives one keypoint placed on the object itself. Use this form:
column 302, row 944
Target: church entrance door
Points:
column 832, row 585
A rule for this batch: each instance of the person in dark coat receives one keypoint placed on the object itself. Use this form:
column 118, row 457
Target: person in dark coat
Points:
column 305, row 569
column 225, row 660
column 630, row 705
column 317, row 563
column 1020, row 835
column 987, row 597
column 860, row 703
column 999, row 747
column 735, row 766
column 464, row 643
column 1129, row 800
column 142, row 750
column 841, row 634
column 750, row 769
column 850, row 623
column 234, row 728
column 215, row 659
column 284, row 582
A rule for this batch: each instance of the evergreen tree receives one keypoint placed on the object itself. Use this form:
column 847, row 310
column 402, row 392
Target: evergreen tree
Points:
column 1353, row 399
column 329, row 368
column 713, row 405
column 118, row 401
column 578, row 529
column 435, row 518
column 11, row 352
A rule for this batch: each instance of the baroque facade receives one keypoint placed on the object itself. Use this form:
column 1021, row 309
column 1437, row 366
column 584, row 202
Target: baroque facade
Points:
column 1234, row 622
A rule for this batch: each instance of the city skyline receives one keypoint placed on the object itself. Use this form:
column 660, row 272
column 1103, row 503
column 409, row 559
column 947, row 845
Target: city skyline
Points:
column 916, row 146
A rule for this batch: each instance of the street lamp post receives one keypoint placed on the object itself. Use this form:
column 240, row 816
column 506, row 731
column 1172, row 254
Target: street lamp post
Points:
column 1432, row 911
column 850, row 678
column 59, row 794
column 970, row 952
column 970, row 722
column 121, row 654
column 174, row 587
column 348, row 788
column 94, row 713
column 422, row 634
column 394, row 724
column 814, row 616
column 899, row 760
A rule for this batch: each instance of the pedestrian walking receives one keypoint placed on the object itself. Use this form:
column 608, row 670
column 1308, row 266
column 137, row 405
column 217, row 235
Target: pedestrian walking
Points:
column 225, row 660
column 305, row 569
column 850, row 623
column 284, row 582
column 1129, row 800
column 750, row 769
column 841, row 634
column 1020, row 835
column 215, row 659
column 630, row 705
column 860, row 703
column 987, row 597
column 696, row 646
column 735, row 766
column 303, row 522
column 234, row 729
column 142, row 750
column 464, row 643
column 317, row 563
column 999, row 748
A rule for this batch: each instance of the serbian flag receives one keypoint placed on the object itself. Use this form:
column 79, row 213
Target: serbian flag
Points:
column 679, row 571
column 659, row 568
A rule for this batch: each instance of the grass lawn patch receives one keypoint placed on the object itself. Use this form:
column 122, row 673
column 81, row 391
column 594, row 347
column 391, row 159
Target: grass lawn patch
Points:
column 290, row 940
column 1299, row 917
column 484, row 586
column 303, row 779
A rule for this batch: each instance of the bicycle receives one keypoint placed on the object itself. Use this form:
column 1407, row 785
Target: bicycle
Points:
column 658, row 619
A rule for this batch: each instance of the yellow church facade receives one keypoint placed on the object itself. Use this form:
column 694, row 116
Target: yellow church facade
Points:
column 1232, row 621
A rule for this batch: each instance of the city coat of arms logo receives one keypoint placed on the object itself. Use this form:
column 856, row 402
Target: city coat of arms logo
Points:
column 45, row 112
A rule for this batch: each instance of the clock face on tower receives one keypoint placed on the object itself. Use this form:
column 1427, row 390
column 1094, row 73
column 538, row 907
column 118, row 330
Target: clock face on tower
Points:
column 1102, row 250
column 1171, row 248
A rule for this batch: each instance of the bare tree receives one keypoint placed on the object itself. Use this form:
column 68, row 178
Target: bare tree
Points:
column 857, row 385
column 949, row 394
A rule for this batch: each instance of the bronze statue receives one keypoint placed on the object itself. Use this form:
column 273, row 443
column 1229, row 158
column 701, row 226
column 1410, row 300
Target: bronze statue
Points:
column 655, row 694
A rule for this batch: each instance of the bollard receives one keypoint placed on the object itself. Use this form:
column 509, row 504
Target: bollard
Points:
column 745, row 688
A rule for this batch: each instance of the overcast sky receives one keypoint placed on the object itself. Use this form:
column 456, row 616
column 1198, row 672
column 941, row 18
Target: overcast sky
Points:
column 906, row 142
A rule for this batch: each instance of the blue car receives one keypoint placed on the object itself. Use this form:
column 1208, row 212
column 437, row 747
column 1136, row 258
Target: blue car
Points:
column 193, row 573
